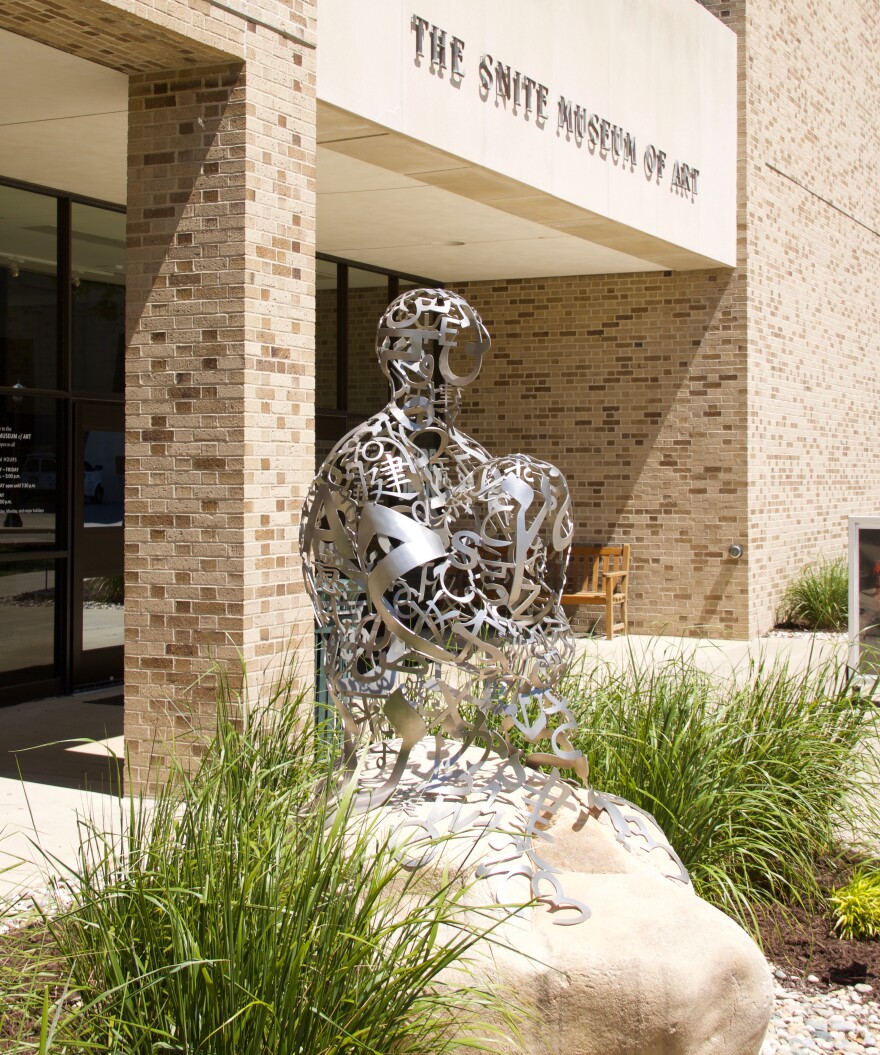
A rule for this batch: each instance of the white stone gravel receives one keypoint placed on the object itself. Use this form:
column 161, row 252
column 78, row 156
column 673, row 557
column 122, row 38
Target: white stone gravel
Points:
column 819, row 635
column 32, row 902
column 846, row 1019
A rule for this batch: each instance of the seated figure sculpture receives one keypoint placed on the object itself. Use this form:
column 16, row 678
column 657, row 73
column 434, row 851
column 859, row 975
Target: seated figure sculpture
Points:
column 435, row 570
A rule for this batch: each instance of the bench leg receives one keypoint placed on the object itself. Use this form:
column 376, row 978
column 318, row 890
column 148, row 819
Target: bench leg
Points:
column 609, row 612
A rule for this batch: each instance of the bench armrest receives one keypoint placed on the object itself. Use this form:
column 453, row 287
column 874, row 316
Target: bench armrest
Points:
column 611, row 580
column 615, row 575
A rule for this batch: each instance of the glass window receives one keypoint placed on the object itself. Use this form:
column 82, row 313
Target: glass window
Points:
column 329, row 417
column 367, row 385
column 103, row 478
column 103, row 623
column 98, row 299
column 31, row 472
column 869, row 601
column 28, row 289
column 27, row 617
column 326, row 320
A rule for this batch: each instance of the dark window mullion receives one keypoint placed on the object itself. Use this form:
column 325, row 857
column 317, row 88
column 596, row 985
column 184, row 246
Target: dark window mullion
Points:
column 342, row 337
column 64, row 294
column 63, row 583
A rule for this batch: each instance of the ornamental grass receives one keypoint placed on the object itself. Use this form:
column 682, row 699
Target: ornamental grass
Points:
column 751, row 778
column 245, row 913
column 818, row 596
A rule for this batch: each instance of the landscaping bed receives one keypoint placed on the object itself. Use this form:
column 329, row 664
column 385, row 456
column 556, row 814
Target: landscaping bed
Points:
column 751, row 781
column 800, row 941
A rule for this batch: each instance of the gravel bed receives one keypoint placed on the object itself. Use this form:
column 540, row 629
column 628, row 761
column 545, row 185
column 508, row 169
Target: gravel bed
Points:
column 33, row 902
column 846, row 1019
column 820, row 635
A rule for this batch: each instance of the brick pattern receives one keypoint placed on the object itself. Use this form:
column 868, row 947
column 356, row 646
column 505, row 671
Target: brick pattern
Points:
column 367, row 385
column 809, row 230
column 130, row 37
column 635, row 386
column 813, row 223
column 220, row 379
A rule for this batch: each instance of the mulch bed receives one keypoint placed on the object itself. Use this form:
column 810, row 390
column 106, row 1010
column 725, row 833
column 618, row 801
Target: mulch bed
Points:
column 29, row 961
column 801, row 942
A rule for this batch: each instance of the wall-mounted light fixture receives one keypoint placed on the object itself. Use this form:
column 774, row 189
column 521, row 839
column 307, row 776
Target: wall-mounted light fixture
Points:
column 735, row 550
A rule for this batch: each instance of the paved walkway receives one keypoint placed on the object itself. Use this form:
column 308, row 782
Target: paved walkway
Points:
column 715, row 656
column 57, row 763
column 58, row 759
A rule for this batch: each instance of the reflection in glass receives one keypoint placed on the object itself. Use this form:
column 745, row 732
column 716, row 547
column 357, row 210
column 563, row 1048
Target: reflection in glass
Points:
column 30, row 473
column 103, row 478
column 329, row 424
column 28, row 289
column 326, row 317
column 98, row 299
column 368, row 297
column 869, row 600
column 103, row 611
column 27, row 616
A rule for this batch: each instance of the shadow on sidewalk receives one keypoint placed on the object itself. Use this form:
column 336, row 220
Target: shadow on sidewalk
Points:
column 66, row 742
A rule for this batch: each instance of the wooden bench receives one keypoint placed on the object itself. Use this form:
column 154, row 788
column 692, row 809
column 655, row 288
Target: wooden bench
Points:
column 598, row 575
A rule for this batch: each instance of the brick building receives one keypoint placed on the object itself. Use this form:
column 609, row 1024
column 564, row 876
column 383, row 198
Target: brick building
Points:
column 664, row 210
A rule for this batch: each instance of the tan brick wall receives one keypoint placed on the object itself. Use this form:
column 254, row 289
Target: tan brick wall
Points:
column 220, row 322
column 813, row 225
column 635, row 386
column 220, row 377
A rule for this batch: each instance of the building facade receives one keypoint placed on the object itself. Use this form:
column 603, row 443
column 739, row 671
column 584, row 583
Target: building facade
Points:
column 664, row 211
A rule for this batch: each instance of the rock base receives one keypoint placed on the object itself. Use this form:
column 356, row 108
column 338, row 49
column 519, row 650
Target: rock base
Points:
column 652, row 969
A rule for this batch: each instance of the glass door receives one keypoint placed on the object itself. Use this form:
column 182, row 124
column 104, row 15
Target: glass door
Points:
column 97, row 574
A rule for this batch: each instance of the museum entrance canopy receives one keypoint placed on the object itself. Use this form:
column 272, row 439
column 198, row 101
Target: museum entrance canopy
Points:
column 487, row 141
column 467, row 141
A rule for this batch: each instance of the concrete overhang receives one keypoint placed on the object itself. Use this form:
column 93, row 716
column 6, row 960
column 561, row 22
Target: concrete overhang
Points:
column 391, row 201
column 64, row 121
column 385, row 198
column 510, row 139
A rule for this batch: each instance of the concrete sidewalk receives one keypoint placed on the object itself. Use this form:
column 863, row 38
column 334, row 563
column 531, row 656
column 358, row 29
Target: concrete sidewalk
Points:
column 715, row 656
column 58, row 763
column 47, row 785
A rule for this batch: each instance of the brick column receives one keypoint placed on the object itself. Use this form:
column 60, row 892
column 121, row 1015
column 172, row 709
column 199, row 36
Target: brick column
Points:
column 220, row 381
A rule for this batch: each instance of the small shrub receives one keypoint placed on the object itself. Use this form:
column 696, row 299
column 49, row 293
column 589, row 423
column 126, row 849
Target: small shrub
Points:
column 818, row 597
column 856, row 906
column 245, row 913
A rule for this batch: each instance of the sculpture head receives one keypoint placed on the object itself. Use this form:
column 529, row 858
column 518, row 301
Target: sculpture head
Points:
column 428, row 341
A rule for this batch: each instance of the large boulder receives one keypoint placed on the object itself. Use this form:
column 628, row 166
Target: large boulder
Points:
column 652, row 970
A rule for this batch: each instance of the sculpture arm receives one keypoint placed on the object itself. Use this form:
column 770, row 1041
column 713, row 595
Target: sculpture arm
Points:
column 449, row 575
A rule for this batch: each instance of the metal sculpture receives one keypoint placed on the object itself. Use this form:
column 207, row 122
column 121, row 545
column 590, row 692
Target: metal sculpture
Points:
column 435, row 571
